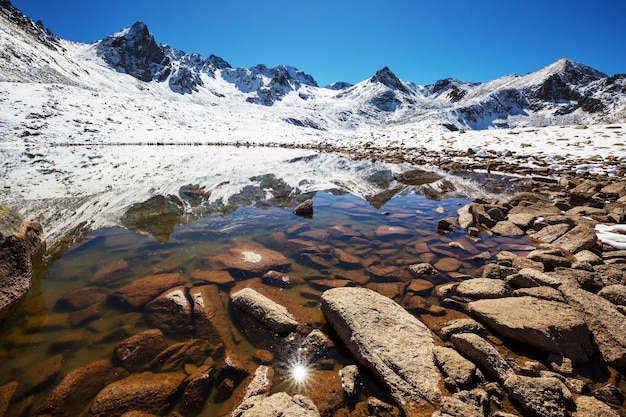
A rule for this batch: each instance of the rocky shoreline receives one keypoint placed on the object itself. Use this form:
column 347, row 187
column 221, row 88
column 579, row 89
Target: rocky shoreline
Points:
column 564, row 300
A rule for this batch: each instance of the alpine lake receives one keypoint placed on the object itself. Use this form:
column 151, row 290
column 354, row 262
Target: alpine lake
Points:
column 72, row 316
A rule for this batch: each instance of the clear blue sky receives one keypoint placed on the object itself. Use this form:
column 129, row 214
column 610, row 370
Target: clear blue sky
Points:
column 335, row 40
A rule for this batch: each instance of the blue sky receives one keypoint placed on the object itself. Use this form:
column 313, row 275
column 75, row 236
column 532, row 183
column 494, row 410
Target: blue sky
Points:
column 335, row 40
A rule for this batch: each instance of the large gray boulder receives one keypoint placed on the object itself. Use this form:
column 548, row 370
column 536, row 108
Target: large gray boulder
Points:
column 19, row 242
column 549, row 326
column 388, row 340
column 540, row 397
column 606, row 323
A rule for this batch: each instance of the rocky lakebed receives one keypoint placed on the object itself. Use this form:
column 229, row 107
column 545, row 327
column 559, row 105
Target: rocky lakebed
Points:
column 327, row 304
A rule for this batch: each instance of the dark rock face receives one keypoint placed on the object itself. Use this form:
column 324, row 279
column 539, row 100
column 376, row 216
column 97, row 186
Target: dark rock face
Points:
column 134, row 51
column 19, row 242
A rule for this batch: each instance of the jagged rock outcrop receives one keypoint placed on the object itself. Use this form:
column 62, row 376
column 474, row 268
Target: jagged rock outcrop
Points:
column 20, row 240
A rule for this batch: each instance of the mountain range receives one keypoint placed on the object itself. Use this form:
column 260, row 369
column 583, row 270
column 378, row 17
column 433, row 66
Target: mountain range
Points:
column 563, row 93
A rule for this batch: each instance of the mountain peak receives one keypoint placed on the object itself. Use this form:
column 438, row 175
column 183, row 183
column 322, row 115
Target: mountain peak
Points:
column 386, row 77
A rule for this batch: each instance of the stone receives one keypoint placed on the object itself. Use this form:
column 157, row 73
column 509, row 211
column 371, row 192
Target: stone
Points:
column 197, row 390
column 263, row 357
column 607, row 325
column 421, row 269
column 266, row 311
column 420, row 285
column 40, row 376
column 389, row 341
column 461, row 326
column 479, row 288
column 482, row 353
column 552, row 232
column 391, row 232
column 174, row 357
column 257, row 402
column 389, row 273
column 20, row 241
column 615, row 293
column 541, row 397
column 448, row 264
column 522, row 220
column 550, row 259
column 588, row 256
column 277, row 279
column 6, row 394
column 247, row 260
column 549, row 326
column 610, row 393
column 507, row 228
column 345, row 259
column 147, row 392
column 138, row 351
column 141, row 291
column 80, row 298
column 541, row 292
column 211, row 319
column 315, row 345
column 349, row 375
column 342, row 232
column 171, row 312
column 76, row 390
column 465, row 217
column 454, row 407
column 447, row 225
column 110, row 273
column 221, row 278
column 457, row 370
column 534, row 277
column 561, row 364
column 580, row 238
column 304, row 209
column 417, row 177
column 591, row 407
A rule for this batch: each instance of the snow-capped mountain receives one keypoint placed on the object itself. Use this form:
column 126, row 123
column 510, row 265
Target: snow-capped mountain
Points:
column 564, row 92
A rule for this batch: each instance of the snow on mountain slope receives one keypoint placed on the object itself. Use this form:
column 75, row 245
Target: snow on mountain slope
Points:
column 128, row 88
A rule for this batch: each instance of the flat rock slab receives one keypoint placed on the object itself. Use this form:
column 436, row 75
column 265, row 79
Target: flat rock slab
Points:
column 546, row 325
column 251, row 260
column 606, row 323
column 265, row 310
column 391, row 342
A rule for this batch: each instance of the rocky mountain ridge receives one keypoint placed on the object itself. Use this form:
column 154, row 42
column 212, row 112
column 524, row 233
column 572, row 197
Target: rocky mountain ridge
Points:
column 562, row 93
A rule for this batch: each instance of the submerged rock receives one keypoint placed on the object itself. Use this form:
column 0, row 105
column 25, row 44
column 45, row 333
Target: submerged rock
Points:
column 268, row 312
column 148, row 392
column 251, row 260
column 388, row 340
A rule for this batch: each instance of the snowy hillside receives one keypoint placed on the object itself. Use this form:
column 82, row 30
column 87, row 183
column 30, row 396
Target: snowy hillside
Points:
column 128, row 82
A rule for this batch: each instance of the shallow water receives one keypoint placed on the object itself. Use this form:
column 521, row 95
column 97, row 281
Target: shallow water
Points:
column 162, row 236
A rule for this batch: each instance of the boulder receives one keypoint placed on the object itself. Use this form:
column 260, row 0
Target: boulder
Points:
column 591, row 407
column 268, row 312
column 19, row 242
column 480, row 288
column 457, row 370
column 147, row 392
column 507, row 228
column 138, row 351
column 461, row 326
column 541, row 397
column 141, row 291
column 76, row 390
column 304, row 209
column 197, row 390
column 171, row 312
column 482, row 353
column 417, row 177
column 606, row 323
column 615, row 293
column 210, row 315
column 389, row 341
column 257, row 401
column 174, row 357
column 247, row 259
column 580, row 238
column 349, row 375
column 549, row 326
